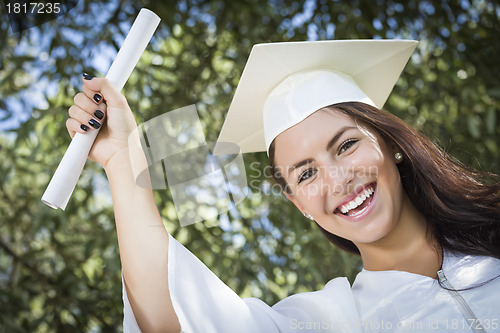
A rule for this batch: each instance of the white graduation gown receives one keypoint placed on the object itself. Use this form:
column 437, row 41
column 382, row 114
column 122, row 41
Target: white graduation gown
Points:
column 385, row 301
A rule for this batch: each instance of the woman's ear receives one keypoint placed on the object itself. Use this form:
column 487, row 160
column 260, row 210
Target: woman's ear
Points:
column 393, row 148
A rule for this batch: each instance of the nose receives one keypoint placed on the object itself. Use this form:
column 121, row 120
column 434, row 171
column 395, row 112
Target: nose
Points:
column 339, row 179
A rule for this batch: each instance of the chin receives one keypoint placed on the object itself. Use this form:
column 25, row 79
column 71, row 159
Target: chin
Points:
column 375, row 230
column 370, row 231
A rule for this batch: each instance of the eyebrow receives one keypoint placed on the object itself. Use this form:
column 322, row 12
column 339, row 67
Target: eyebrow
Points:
column 337, row 136
column 328, row 147
column 298, row 165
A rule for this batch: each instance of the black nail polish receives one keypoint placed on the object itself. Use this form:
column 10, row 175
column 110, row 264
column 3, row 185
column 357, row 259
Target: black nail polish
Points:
column 87, row 76
column 84, row 127
column 99, row 114
column 94, row 123
column 97, row 98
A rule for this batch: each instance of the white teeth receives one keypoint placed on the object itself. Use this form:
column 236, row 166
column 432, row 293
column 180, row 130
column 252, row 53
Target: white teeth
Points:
column 357, row 201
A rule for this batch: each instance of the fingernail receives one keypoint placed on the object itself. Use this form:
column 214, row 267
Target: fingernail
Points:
column 97, row 98
column 87, row 76
column 94, row 123
column 84, row 127
column 99, row 114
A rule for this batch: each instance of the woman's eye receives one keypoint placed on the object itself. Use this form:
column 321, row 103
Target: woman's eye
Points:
column 346, row 145
column 306, row 175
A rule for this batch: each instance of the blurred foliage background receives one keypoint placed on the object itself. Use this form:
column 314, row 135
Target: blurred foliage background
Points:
column 60, row 270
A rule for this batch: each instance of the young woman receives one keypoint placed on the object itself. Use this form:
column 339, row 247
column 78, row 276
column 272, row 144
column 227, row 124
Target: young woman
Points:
column 426, row 227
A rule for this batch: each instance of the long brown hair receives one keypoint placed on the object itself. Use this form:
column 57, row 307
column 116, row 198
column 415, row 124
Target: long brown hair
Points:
column 460, row 204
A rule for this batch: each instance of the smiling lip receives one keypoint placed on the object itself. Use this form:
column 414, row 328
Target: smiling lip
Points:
column 357, row 191
column 365, row 210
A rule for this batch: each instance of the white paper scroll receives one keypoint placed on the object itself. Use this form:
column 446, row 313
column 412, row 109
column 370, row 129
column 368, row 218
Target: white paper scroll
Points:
column 67, row 173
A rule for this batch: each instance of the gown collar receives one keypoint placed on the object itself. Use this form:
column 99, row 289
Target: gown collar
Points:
column 462, row 270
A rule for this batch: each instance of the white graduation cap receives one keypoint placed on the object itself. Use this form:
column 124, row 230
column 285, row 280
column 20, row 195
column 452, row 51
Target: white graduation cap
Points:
column 283, row 83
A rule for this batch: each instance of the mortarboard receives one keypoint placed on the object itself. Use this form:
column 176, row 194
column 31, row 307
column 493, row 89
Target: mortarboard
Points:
column 283, row 83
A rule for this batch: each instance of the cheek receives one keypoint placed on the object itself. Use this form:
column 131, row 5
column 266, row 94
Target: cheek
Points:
column 390, row 193
column 369, row 161
column 388, row 178
column 381, row 168
column 389, row 172
column 310, row 198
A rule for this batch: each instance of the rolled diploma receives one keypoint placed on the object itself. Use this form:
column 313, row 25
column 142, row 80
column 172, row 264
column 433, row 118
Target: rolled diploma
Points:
column 63, row 182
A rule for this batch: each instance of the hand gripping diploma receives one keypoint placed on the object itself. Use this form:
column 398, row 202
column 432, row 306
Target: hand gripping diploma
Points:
column 64, row 180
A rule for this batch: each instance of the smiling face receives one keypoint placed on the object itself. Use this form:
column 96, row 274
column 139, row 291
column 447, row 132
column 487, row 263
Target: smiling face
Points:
column 342, row 174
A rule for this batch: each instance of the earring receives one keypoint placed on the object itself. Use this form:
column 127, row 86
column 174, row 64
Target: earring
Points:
column 398, row 156
column 309, row 216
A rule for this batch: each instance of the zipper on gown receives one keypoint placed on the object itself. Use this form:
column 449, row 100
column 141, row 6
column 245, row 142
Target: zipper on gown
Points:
column 467, row 312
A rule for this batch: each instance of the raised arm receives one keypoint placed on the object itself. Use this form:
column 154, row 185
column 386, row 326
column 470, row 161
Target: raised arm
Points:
column 142, row 238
